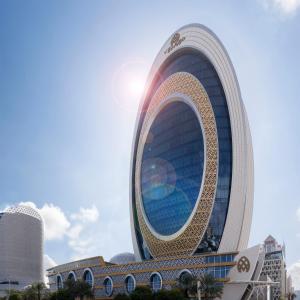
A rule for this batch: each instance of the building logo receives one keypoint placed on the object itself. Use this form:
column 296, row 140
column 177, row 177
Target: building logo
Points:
column 175, row 41
column 243, row 264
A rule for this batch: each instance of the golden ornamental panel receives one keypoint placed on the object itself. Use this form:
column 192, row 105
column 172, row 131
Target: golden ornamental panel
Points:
column 186, row 242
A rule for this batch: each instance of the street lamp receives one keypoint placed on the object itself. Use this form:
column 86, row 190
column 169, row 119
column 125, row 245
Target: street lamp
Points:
column 199, row 290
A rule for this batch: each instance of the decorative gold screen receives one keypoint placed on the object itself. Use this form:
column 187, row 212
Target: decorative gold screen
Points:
column 186, row 242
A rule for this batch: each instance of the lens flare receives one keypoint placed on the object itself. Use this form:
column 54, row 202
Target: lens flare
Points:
column 128, row 84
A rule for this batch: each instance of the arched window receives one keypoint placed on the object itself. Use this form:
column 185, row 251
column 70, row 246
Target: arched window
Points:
column 129, row 284
column 184, row 276
column 59, row 282
column 88, row 277
column 155, row 282
column 108, row 286
column 72, row 276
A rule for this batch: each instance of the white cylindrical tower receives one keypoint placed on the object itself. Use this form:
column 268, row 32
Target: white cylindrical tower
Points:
column 21, row 247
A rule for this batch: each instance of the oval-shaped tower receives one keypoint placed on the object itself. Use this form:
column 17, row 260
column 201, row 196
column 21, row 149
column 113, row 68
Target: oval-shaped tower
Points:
column 21, row 250
column 192, row 164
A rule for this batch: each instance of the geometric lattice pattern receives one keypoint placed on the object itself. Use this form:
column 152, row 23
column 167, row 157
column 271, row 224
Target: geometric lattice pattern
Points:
column 187, row 241
column 169, row 269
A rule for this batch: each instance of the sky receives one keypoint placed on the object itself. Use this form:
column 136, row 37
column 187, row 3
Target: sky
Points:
column 71, row 75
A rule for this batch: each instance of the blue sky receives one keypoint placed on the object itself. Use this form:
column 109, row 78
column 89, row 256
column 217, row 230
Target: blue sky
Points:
column 66, row 130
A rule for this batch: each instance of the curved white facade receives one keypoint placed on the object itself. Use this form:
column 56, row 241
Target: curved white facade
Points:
column 196, row 40
column 21, row 250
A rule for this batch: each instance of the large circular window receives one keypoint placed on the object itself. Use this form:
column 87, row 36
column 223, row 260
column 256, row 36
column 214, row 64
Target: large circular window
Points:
column 172, row 167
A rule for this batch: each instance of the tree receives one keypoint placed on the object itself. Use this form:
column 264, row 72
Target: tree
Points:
column 187, row 283
column 174, row 294
column 61, row 294
column 78, row 288
column 141, row 293
column 15, row 295
column 37, row 291
column 210, row 288
column 122, row 297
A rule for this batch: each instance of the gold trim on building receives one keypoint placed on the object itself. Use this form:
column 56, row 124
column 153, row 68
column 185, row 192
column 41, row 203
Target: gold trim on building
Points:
column 169, row 268
column 187, row 241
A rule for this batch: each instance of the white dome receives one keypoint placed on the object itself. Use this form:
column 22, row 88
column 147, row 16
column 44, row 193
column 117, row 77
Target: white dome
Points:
column 123, row 258
column 24, row 209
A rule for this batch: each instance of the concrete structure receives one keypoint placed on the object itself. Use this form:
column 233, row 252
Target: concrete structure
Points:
column 21, row 248
column 191, row 178
column 275, row 267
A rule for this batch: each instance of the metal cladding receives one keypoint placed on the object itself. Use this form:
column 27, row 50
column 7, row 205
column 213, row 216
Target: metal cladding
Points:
column 21, row 251
column 192, row 166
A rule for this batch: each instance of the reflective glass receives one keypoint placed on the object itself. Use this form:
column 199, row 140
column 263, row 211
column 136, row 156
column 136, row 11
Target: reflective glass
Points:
column 88, row 278
column 108, row 286
column 130, row 284
column 172, row 167
column 59, row 282
column 71, row 276
column 155, row 282
column 194, row 62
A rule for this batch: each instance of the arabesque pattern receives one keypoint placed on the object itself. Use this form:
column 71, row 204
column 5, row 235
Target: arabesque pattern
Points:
column 187, row 241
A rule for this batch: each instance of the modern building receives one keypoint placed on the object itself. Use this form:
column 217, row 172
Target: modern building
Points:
column 275, row 267
column 191, row 178
column 21, row 248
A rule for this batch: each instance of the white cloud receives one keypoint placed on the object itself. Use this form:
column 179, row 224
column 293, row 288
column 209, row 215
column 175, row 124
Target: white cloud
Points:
column 286, row 7
column 75, row 231
column 86, row 214
column 48, row 263
column 294, row 271
column 84, row 232
column 56, row 223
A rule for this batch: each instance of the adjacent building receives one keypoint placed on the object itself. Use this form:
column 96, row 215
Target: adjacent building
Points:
column 191, row 179
column 275, row 268
column 21, row 248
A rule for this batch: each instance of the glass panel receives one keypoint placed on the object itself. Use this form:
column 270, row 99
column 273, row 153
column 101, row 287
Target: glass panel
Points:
column 130, row 286
column 172, row 167
column 198, row 65
column 155, row 283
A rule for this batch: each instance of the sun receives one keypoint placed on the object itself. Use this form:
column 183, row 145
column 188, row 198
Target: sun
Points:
column 136, row 87
column 128, row 84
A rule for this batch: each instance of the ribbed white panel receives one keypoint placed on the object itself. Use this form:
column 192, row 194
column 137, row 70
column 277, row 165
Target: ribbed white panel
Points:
column 21, row 251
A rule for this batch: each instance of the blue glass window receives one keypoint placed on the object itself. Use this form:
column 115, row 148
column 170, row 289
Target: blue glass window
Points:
column 155, row 282
column 172, row 167
column 59, row 282
column 71, row 276
column 194, row 62
column 108, row 286
column 88, row 277
column 129, row 284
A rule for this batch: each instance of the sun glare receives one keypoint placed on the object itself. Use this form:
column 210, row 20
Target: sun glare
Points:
column 136, row 86
column 128, row 84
